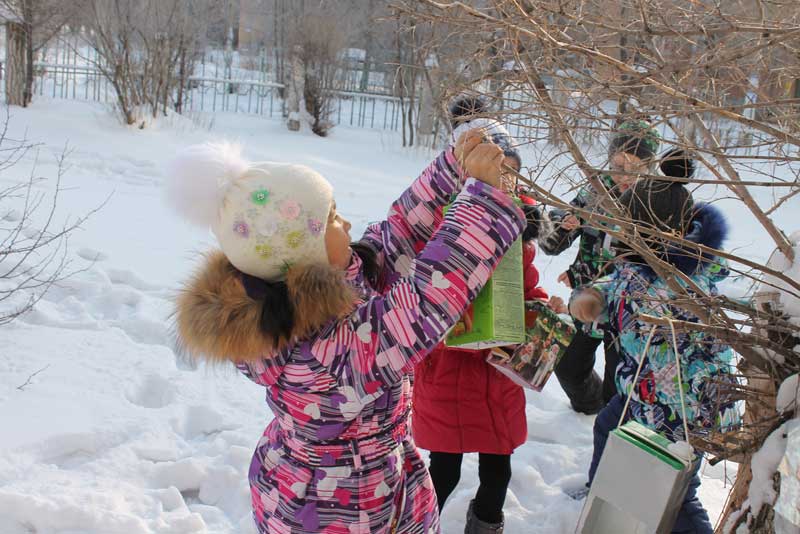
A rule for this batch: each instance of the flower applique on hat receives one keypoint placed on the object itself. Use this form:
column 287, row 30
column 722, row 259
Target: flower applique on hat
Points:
column 265, row 215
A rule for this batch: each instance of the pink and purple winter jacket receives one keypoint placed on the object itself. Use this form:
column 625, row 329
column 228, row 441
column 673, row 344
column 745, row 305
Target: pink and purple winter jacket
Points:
column 338, row 456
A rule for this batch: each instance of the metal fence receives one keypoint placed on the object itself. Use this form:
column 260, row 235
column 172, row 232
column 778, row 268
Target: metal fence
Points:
column 361, row 110
column 223, row 82
column 220, row 95
column 230, row 82
column 209, row 95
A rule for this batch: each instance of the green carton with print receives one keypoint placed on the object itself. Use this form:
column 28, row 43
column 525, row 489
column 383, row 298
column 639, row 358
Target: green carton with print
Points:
column 496, row 317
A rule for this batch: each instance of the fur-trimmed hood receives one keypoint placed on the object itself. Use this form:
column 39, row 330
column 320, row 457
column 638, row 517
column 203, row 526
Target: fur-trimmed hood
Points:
column 217, row 320
column 708, row 227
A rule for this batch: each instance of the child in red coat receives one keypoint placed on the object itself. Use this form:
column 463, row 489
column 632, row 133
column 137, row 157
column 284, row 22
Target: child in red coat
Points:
column 464, row 405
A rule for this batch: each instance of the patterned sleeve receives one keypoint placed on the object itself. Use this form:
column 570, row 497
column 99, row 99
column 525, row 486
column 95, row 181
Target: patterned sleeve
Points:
column 414, row 217
column 717, row 271
column 705, row 362
column 628, row 297
column 264, row 371
column 623, row 294
column 395, row 331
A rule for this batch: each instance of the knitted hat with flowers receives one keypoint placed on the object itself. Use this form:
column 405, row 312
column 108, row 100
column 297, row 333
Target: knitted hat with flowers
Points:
column 266, row 216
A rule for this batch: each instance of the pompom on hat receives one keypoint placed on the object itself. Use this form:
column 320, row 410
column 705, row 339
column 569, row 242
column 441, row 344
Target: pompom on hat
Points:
column 266, row 216
column 678, row 163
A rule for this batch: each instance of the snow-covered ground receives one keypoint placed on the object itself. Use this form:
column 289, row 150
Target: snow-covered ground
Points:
column 116, row 435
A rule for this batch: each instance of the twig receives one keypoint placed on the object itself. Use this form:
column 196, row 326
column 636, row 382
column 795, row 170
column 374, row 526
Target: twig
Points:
column 780, row 239
column 538, row 32
column 28, row 381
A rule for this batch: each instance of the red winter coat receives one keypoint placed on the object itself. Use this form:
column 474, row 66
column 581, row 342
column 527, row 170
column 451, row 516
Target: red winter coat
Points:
column 462, row 404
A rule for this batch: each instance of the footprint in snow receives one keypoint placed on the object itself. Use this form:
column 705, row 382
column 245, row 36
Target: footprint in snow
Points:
column 154, row 392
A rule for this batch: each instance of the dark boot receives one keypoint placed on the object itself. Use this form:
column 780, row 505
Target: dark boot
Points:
column 476, row 526
column 586, row 397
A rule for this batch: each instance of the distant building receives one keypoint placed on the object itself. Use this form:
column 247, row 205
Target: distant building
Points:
column 253, row 25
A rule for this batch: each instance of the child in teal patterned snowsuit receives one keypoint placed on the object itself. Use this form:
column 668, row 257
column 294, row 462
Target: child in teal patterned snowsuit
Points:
column 634, row 290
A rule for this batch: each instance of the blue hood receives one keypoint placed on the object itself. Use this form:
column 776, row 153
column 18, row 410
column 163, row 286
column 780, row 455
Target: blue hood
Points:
column 708, row 227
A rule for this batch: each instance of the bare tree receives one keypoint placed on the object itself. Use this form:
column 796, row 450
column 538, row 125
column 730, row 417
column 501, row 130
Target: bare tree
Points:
column 147, row 50
column 719, row 80
column 311, row 51
column 33, row 245
column 295, row 89
column 320, row 44
column 413, row 81
column 30, row 25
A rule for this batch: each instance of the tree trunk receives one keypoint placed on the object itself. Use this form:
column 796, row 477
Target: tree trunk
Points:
column 27, row 14
column 118, row 82
column 368, row 44
column 15, row 64
column 403, row 112
column 295, row 89
column 364, row 84
column 399, row 79
column 754, row 413
column 427, row 110
column 411, row 100
column 280, row 48
column 182, row 82
column 124, row 106
column 429, row 120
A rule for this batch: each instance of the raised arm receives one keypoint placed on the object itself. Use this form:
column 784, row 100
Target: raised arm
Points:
column 557, row 233
column 418, row 212
column 414, row 216
column 398, row 329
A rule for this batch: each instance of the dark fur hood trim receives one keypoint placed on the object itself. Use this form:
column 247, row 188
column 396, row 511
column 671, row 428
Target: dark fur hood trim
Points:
column 708, row 227
column 217, row 320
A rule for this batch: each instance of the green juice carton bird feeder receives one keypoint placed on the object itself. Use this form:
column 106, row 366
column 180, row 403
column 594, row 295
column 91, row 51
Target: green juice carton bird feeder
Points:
column 496, row 317
column 639, row 486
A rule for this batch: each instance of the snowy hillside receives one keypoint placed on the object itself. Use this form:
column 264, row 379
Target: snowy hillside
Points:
column 114, row 435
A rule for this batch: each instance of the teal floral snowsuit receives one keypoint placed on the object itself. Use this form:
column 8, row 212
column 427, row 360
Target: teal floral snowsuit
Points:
column 635, row 290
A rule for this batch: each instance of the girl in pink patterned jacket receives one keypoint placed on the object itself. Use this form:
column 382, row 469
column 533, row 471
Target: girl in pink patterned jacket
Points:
column 333, row 331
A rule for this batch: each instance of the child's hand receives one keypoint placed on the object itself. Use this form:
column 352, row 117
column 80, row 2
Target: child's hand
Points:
column 587, row 306
column 468, row 140
column 557, row 304
column 563, row 278
column 484, row 163
column 468, row 321
column 570, row 223
column 481, row 159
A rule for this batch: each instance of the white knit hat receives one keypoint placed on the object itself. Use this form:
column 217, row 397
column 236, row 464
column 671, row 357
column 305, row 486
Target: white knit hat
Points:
column 266, row 216
column 490, row 127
